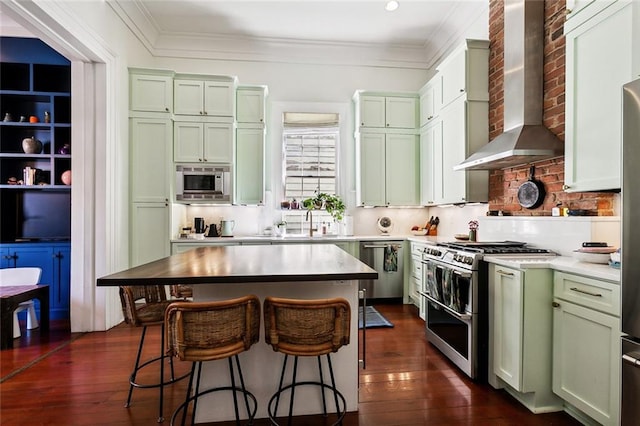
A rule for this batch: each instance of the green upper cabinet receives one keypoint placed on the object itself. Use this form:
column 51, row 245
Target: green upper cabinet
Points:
column 402, row 169
column 376, row 110
column 151, row 90
column 249, row 170
column 250, row 104
column 602, row 54
column 208, row 142
column 250, row 145
column 465, row 72
column 387, row 149
column 150, row 142
column 431, row 163
column 370, row 169
column 430, row 100
column 388, row 169
column 454, row 119
column 205, row 96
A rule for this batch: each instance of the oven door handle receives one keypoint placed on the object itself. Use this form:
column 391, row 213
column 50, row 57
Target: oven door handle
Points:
column 462, row 317
column 461, row 274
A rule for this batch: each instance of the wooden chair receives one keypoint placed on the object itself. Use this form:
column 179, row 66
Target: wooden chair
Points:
column 144, row 306
column 306, row 328
column 208, row 331
column 22, row 276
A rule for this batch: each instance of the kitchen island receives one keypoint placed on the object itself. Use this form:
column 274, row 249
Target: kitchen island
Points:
column 303, row 271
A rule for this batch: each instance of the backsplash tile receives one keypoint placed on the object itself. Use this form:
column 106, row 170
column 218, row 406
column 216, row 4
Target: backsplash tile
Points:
column 560, row 234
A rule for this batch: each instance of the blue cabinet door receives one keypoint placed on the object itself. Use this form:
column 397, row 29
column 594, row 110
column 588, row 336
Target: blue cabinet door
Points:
column 54, row 261
column 60, row 295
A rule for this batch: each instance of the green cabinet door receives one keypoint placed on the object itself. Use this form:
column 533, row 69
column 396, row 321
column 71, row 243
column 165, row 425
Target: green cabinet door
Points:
column 402, row 154
column 372, row 169
column 249, row 182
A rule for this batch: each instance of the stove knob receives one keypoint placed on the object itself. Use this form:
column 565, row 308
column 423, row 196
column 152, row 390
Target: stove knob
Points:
column 468, row 260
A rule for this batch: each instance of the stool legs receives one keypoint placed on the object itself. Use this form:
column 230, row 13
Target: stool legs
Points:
column 137, row 367
column 337, row 396
column 233, row 388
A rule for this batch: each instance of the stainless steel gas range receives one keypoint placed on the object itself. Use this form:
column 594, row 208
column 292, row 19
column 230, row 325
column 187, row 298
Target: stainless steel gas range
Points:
column 455, row 289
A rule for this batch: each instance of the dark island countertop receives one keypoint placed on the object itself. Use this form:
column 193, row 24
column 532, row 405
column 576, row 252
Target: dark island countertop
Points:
column 246, row 264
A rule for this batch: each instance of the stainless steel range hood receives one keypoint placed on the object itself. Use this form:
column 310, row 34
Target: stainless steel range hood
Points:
column 525, row 138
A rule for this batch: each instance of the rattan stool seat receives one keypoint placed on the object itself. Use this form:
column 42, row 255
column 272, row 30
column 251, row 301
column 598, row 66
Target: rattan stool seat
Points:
column 306, row 328
column 208, row 331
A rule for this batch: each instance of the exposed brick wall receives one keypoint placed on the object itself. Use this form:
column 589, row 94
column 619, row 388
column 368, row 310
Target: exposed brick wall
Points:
column 504, row 184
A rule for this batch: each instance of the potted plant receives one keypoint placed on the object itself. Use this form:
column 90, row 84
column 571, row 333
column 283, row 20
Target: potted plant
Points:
column 333, row 204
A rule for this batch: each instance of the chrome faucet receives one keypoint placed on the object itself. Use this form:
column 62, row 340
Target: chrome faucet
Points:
column 310, row 219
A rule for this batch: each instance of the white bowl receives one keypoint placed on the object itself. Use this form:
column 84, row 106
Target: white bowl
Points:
column 592, row 257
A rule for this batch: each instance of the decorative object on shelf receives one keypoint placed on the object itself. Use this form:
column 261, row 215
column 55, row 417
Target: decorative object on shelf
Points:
column 12, row 180
column 47, row 117
column 65, row 177
column 473, row 230
column 285, row 204
column 65, row 149
column 31, row 145
column 23, row 119
column 29, row 175
column 294, row 204
column 7, row 117
column 34, row 119
column 333, row 204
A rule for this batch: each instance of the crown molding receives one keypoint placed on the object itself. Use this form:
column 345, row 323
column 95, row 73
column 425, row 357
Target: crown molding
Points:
column 440, row 41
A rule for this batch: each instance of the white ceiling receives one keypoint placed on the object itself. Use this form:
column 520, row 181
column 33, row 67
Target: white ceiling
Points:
column 417, row 34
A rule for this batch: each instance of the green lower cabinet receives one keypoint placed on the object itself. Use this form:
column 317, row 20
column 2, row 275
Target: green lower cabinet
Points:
column 586, row 348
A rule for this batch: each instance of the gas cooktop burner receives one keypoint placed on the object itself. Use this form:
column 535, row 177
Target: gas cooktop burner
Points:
column 495, row 247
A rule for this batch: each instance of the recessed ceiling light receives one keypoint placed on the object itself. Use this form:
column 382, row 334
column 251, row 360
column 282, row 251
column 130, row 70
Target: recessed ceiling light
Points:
column 391, row 5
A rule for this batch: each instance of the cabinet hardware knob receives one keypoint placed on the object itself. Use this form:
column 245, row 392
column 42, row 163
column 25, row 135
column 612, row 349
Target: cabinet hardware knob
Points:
column 201, row 113
column 362, row 124
column 199, row 159
column 430, row 117
column 166, row 109
column 555, row 304
column 461, row 90
column 205, row 113
column 565, row 187
column 500, row 271
column 387, row 124
column 588, row 293
column 261, row 120
column 204, row 159
column 569, row 11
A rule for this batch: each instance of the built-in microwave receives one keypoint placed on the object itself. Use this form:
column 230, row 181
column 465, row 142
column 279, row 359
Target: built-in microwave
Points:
column 203, row 183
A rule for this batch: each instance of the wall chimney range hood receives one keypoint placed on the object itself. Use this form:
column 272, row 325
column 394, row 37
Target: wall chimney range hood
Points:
column 525, row 138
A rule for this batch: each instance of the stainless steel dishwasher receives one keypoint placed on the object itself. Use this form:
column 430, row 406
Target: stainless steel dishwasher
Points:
column 386, row 258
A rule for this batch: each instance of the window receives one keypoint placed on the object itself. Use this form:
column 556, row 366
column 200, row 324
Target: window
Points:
column 310, row 142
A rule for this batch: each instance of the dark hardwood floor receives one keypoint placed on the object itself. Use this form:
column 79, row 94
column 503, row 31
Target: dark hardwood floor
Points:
column 82, row 379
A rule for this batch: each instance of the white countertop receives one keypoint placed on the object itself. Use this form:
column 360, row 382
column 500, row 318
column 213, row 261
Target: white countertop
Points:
column 560, row 263
column 291, row 238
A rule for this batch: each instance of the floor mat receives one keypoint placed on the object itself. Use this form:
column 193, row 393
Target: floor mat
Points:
column 374, row 318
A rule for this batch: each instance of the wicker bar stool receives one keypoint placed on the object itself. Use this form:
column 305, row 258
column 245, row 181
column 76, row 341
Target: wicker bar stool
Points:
column 306, row 328
column 144, row 306
column 181, row 291
column 207, row 331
